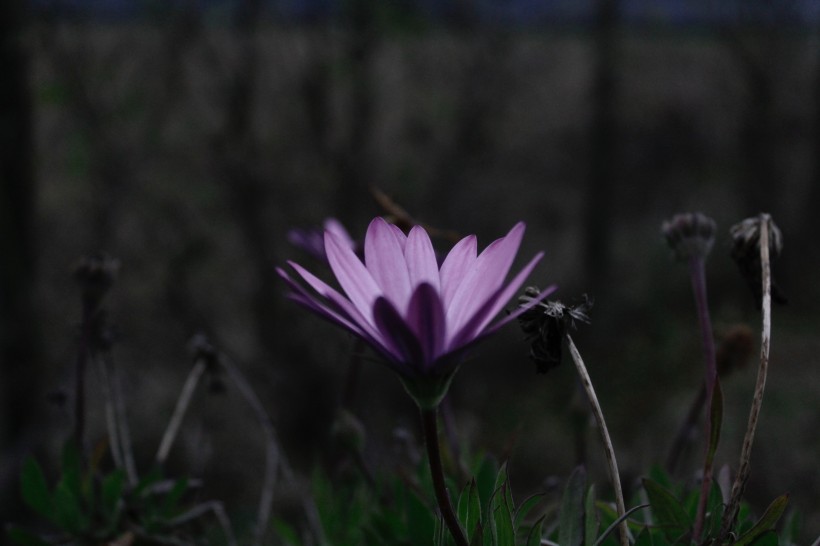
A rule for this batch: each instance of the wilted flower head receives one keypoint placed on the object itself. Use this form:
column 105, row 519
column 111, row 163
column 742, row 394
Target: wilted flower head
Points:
column 421, row 318
column 545, row 323
column 690, row 235
column 96, row 275
column 746, row 253
column 312, row 240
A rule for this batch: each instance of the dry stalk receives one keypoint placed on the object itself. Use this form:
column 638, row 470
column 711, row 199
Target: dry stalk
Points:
column 739, row 484
column 609, row 450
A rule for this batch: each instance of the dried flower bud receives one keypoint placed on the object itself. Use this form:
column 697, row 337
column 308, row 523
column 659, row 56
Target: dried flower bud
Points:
column 746, row 254
column 95, row 274
column 545, row 325
column 202, row 349
column 690, row 235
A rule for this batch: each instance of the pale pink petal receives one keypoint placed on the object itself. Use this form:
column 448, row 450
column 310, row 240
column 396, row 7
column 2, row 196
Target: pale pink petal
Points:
column 384, row 259
column 484, row 278
column 302, row 296
column 365, row 322
column 455, row 267
column 421, row 259
column 425, row 316
column 398, row 335
column 352, row 275
column 399, row 234
column 476, row 324
column 334, row 226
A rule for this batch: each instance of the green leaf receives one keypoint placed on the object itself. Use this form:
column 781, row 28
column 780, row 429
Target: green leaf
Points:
column 72, row 469
column 571, row 517
column 525, row 508
column 170, row 505
column 485, row 478
column 112, row 488
column 34, row 488
column 500, row 482
column 668, row 512
column 534, row 538
column 469, row 507
column 591, row 521
column 25, row 538
column 421, row 523
column 502, row 515
column 765, row 523
column 68, row 512
column 478, row 536
column 286, row 533
column 769, row 538
column 644, row 538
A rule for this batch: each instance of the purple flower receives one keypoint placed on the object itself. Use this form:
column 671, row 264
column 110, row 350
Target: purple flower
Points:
column 420, row 317
column 312, row 240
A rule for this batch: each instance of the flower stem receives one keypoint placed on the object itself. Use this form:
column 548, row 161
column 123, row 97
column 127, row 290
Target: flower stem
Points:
column 730, row 515
column 430, row 424
column 179, row 412
column 609, row 450
column 697, row 272
column 83, row 351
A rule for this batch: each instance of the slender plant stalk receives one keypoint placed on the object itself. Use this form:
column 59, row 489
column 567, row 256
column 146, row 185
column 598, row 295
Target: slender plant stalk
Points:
column 272, row 451
column 110, row 414
column 429, row 419
column 83, row 351
column 609, row 450
column 120, row 419
column 730, row 515
column 697, row 272
column 181, row 408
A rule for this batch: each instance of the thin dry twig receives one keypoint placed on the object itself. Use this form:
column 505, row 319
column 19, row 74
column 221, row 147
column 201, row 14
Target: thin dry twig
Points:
column 609, row 450
column 272, row 451
column 730, row 515
column 181, row 408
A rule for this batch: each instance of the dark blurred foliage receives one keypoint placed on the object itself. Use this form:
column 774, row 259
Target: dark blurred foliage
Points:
column 185, row 142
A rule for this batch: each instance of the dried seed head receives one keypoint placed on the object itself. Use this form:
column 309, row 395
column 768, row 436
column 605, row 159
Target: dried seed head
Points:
column 95, row 274
column 689, row 234
column 202, row 349
column 746, row 254
column 746, row 239
column 545, row 325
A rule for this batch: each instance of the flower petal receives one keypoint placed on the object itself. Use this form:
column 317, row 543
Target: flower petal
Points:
column 399, row 337
column 337, row 308
column 476, row 324
column 425, row 317
column 336, row 227
column 514, row 315
column 421, row 259
column 455, row 267
column 352, row 275
column 484, row 278
column 385, row 261
column 400, row 236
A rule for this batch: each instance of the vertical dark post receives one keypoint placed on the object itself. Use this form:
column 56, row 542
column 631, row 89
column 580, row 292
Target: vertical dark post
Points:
column 598, row 214
column 19, row 366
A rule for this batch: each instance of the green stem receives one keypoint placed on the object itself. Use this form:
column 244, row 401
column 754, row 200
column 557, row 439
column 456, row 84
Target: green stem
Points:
column 429, row 419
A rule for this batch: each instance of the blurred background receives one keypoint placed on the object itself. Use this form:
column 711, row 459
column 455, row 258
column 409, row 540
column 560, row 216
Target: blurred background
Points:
column 185, row 138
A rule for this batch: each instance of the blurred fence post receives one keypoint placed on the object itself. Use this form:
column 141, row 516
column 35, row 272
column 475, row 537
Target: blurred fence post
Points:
column 19, row 363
